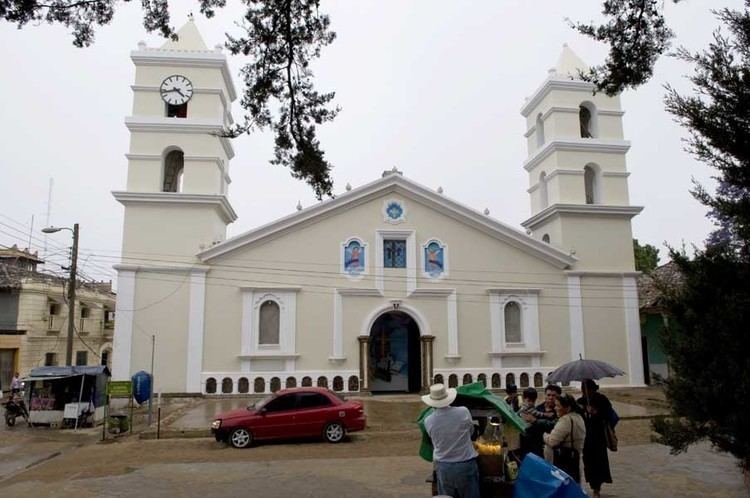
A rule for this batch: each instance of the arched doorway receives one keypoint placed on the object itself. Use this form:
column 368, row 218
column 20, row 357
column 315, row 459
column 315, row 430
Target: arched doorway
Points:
column 394, row 354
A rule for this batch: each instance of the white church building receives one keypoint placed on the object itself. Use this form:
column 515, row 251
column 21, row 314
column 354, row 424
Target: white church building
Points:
column 388, row 287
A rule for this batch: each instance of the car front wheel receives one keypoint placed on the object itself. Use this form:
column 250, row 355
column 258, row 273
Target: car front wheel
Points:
column 240, row 438
column 334, row 432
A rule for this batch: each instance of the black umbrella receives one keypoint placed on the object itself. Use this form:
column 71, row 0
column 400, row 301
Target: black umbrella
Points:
column 583, row 369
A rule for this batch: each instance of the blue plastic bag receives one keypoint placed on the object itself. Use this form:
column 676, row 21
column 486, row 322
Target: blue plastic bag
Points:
column 613, row 418
column 540, row 479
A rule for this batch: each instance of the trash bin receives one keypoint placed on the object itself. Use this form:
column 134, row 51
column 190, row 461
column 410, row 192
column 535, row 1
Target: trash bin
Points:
column 118, row 424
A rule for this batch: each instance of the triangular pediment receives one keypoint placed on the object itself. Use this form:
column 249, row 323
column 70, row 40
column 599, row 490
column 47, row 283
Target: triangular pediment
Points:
column 394, row 183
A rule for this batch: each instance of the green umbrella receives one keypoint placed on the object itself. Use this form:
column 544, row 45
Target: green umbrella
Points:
column 475, row 391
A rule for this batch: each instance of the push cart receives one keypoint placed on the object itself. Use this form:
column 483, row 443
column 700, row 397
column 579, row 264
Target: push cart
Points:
column 496, row 439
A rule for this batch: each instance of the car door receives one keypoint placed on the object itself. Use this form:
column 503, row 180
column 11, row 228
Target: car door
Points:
column 313, row 412
column 276, row 419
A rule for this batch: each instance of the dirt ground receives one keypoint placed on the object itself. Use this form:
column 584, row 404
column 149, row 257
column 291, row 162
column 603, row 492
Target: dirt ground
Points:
column 650, row 397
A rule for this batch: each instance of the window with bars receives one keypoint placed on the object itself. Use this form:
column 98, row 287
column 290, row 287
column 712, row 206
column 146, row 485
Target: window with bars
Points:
column 50, row 359
column 394, row 253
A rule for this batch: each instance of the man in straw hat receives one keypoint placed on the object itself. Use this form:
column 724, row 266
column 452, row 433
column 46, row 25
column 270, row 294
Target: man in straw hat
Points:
column 450, row 429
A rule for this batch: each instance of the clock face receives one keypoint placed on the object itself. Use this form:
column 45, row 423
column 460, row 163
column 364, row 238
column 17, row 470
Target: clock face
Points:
column 176, row 89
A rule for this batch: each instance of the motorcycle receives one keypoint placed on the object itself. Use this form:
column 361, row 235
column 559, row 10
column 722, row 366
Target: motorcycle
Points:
column 14, row 408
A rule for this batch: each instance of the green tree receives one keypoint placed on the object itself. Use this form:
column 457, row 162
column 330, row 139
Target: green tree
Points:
column 646, row 257
column 282, row 37
column 637, row 35
column 707, row 340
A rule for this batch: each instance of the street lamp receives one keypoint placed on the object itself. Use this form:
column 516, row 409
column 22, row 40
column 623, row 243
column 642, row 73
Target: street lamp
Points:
column 71, row 289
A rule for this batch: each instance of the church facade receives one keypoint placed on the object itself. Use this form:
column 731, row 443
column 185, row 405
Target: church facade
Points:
column 388, row 287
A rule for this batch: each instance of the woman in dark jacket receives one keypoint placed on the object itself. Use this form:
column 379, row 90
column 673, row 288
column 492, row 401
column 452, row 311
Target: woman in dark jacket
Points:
column 597, row 413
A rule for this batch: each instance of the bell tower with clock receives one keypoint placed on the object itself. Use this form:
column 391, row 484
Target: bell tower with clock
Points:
column 175, row 203
column 178, row 163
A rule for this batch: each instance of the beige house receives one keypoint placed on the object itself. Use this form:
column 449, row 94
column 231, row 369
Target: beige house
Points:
column 388, row 287
column 34, row 318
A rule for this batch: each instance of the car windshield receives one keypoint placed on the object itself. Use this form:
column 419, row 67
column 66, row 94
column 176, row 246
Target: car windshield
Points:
column 339, row 396
column 261, row 403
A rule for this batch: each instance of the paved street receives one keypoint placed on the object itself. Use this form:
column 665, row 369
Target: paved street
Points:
column 201, row 468
column 380, row 462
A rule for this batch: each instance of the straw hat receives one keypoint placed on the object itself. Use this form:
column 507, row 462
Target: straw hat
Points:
column 440, row 396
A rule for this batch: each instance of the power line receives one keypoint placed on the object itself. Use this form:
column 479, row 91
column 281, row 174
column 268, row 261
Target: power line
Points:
column 40, row 240
column 253, row 272
column 328, row 291
column 131, row 255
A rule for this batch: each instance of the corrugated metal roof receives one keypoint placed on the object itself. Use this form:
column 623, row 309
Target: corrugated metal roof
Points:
column 67, row 371
column 650, row 286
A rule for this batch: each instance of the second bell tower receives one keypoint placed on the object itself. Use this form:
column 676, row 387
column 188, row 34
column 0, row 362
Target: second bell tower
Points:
column 578, row 180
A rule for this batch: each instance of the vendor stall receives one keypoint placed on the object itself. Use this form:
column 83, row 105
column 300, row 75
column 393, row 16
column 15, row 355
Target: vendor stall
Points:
column 496, row 438
column 75, row 395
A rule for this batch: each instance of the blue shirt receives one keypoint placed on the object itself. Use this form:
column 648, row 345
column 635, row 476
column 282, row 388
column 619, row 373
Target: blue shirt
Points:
column 450, row 429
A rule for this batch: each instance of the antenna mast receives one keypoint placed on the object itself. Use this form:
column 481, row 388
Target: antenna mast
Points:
column 49, row 212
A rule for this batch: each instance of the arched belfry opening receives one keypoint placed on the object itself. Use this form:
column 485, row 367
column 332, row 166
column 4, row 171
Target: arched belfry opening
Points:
column 394, row 354
column 174, row 165
column 587, row 117
column 539, row 130
column 591, row 184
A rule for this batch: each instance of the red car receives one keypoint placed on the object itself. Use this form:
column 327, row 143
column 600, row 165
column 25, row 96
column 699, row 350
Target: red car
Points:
column 291, row 413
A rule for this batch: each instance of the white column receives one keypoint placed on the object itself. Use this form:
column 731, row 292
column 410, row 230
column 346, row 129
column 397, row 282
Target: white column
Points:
column 378, row 263
column 496, row 331
column 290, row 330
column 338, row 333
column 531, row 328
column 246, row 340
column 633, row 330
column 452, row 324
column 411, row 263
column 575, row 309
column 196, row 325
column 123, row 339
column 246, row 344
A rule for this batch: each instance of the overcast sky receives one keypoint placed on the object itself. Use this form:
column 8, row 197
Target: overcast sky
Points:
column 432, row 87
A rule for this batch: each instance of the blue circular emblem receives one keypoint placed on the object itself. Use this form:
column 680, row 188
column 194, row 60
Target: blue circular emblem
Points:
column 394, row 211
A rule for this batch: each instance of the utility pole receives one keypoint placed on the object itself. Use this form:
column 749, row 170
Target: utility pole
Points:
column 71, row 287
column 72, row 297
